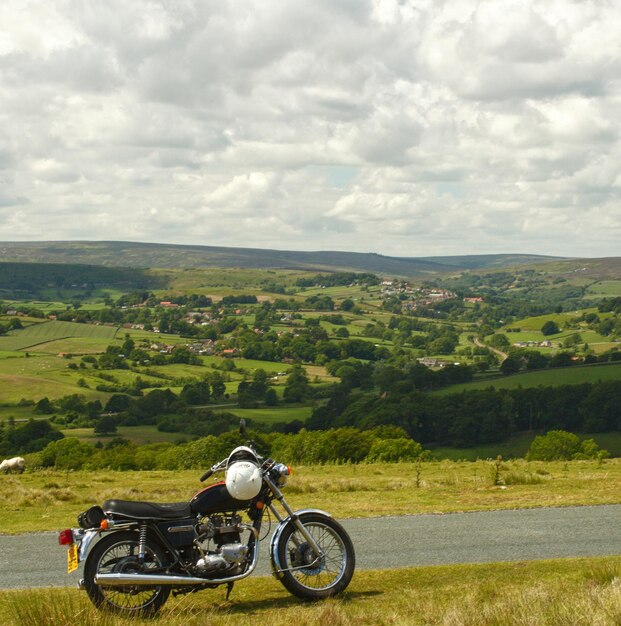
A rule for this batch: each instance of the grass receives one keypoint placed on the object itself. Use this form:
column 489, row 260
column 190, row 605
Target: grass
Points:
column 51, row 499
column 562, row 592
column 139, row 435
column 270, row 415
column 546, row 378
column 39, row 376
column 517, row 446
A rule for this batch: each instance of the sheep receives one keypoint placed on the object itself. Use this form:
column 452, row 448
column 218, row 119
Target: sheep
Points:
column 16, row 464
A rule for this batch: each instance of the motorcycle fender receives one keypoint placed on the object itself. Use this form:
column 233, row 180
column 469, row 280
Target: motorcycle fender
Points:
column 84, row 541
column 276, row 565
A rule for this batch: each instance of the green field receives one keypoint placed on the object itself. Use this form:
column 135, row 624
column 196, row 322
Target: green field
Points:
column 604, row 289
column 546, row 378
column 38, row 376
column 271, row 415
column 517, row 446
column 139, row 435
column 37, row 334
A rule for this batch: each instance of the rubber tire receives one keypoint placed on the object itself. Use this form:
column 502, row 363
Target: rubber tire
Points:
column 288, row 579
column 98, row 598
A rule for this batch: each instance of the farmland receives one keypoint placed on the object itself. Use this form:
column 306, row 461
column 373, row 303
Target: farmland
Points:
column 545, row 378
column 226, row 326
column 54, row 331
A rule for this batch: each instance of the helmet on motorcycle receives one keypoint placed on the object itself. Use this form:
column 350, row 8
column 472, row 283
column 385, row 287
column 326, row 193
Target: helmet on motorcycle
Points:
column 243, row 480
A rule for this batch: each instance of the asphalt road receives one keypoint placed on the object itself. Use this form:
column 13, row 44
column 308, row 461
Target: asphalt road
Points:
column 36, row 560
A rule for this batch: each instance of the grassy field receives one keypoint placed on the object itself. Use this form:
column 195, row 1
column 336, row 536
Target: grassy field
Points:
column 270, row 415
column 50, row 499
column 517, row 446
column 563, row 592
column 139, row 435
column 39, row 376
column 545, row 378
column 37, row 334
column 604, row 288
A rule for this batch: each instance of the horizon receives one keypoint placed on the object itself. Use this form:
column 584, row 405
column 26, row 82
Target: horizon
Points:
column 318, row 251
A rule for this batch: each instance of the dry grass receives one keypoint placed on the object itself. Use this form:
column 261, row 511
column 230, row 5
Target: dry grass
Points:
column 565, row 592
column 49, row 500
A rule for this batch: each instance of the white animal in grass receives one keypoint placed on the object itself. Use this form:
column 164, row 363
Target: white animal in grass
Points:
column 16, row 464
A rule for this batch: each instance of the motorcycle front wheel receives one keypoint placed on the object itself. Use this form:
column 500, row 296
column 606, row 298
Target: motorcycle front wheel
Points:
column 118, row 553
column 306, row 575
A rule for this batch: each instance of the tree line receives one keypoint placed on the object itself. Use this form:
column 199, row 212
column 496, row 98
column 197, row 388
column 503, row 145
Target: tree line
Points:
column 473, row 417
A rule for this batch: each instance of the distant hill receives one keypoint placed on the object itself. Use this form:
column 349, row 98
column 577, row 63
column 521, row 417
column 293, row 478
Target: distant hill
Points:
column 490, row 261
column 155, row 255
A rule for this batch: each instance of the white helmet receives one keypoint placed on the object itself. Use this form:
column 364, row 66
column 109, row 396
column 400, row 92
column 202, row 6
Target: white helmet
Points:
column 243, row 480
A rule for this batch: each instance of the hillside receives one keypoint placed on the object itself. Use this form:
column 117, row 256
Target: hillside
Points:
column 154, row 255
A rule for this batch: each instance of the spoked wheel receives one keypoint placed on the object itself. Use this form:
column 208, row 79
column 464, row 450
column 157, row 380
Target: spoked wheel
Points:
column 118, row 553
column 307, row 575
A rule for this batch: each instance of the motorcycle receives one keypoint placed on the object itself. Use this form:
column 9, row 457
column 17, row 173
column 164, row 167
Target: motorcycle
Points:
column 136, row 553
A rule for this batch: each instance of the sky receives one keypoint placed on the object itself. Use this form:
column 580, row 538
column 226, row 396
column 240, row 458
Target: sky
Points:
column 405, row 128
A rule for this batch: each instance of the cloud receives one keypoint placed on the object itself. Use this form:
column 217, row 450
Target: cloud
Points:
column 396, row 126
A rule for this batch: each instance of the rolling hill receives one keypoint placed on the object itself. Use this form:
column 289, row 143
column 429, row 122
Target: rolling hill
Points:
column 155, row 255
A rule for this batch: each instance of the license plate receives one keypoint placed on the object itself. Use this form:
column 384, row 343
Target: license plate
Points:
column 72, row 558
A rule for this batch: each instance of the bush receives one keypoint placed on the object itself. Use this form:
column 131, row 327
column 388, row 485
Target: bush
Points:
column 394, row 450
column 560, row 445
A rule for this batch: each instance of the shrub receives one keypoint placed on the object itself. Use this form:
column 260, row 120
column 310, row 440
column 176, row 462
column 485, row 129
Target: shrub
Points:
column 560, row 445
column 394, row 450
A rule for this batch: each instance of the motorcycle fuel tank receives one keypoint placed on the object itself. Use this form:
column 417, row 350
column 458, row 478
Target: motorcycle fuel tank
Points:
column 216, row 499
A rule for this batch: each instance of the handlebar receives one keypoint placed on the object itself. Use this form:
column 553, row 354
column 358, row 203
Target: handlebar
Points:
column 214, row 468
column 206, row 475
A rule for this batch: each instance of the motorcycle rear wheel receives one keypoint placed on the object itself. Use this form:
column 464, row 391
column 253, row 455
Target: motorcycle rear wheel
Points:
column 303, row 574
column 118, row 552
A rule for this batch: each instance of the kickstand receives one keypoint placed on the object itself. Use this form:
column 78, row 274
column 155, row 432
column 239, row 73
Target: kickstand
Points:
column 229, row 588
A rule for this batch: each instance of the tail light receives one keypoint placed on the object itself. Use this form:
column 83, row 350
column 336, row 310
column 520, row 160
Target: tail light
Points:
column 65, row 537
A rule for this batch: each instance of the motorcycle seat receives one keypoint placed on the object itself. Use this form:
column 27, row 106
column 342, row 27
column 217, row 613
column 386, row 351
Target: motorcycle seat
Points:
column 147, row 510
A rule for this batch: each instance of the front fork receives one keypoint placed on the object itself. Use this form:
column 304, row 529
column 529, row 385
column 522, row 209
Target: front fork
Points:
column 293, row 518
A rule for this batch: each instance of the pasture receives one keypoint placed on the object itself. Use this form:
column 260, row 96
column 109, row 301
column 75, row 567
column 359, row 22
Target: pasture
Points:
column 38, row 334
column 553, row 377
column 38, row 376
column 516, row 447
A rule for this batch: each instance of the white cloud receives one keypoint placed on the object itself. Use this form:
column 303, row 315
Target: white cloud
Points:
column 404, row 127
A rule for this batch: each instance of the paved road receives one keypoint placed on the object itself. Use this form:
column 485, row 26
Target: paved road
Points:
column 36, row 560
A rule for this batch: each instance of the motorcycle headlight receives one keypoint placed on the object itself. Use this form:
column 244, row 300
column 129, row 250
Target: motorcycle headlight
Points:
column 281, row 472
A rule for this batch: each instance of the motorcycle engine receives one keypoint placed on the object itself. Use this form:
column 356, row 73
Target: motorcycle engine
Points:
column 220, row 546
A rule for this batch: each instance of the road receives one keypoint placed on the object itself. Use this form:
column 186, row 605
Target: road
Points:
column 36, row 560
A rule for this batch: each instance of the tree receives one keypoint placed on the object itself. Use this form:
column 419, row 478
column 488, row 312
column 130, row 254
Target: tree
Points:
column 44, row 406
column 68, row 453
column 271, row 397
column 297, row 387
column 550, row 328
column 394, row 450
column 560, row 445
column 105, row 426
column 511, row 365
column 499, row 341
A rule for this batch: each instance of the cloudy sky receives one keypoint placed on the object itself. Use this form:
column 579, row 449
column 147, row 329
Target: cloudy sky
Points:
column 407, row 128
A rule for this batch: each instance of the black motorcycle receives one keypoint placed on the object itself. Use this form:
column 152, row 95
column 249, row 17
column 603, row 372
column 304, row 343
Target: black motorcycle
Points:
column 137, row 553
